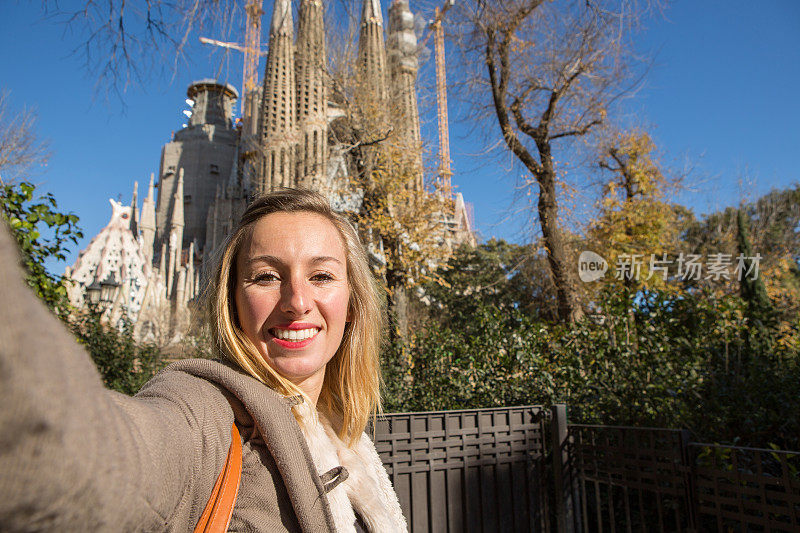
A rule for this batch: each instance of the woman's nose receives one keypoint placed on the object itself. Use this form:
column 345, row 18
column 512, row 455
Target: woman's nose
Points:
column 295, row 299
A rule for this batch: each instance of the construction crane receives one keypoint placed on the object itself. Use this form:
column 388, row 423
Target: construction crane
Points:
column 251, row 49
column 437, row 30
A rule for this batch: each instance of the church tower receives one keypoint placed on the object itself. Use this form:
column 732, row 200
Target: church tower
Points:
column 278, row 123
column 312, row 153
column 205, row 149
column 403, row 67
column 373, row 95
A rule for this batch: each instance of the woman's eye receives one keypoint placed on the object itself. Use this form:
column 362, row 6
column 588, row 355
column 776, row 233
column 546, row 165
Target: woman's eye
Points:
column 322, row 277
column 266, row 277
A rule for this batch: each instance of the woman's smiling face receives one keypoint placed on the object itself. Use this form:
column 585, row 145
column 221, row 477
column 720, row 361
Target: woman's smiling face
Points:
column 292, row 293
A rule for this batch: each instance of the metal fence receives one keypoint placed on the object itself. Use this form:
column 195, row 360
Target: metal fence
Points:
column 525, row 469
column 649, row 479
column 629, row 479
column 746, row 489
column 474, row 470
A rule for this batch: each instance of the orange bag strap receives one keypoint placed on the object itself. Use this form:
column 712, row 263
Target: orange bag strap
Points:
column 218, row 511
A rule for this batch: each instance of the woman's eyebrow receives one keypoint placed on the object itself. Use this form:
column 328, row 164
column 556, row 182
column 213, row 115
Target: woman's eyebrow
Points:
column 324, row 259
column 271, row 259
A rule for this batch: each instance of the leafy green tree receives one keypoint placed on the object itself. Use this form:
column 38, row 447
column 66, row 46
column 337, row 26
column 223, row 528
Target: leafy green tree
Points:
column 690, row 367
column 771, row 223
column 124, row 364
column 404, row 223
column 635, row 220
column 752, row 287
column 487, row 273
column 42, row 233
column 493, row 273
column 759, row 309
column 765, row 228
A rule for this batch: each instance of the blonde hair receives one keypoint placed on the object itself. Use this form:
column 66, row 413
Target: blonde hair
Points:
column 351, row 389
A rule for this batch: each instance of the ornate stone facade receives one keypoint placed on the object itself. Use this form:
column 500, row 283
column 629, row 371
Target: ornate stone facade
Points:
column 212, row 167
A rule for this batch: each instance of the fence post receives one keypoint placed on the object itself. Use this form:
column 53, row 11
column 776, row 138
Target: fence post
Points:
column 690, row 481
column 562, row 487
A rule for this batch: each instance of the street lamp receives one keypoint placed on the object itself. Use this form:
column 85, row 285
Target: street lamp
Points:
column 108, row 289
column 93, row 293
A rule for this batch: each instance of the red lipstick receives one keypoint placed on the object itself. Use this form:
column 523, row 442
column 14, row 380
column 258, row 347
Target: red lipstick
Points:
column 293, row 344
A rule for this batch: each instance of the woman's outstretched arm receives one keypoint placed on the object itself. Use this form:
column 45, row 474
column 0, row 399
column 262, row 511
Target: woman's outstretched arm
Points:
column 77, row 457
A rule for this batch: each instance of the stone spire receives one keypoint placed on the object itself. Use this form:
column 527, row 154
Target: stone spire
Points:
column 135, row 210
column 180, row 288
column 176, row 224
column 372, row 59
column 403, row 67
column 190, row 273
column 312, row 154
column 162, row 263
column 278, row 106
column 148, row 222
column 118, row 307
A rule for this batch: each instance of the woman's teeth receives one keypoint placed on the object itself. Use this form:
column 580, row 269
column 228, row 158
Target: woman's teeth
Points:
column 294, row 335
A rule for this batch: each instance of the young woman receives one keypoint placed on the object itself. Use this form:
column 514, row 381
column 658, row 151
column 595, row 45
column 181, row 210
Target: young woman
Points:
column 294, row 310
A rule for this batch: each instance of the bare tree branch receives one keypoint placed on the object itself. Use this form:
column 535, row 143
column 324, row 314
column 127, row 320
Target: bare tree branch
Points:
column 583, row 131
column 21, row 151
column 128, row 42
column 551, row 71
column 499, row 88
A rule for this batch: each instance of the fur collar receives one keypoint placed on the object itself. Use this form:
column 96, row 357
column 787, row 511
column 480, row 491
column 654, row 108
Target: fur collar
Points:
column 367, row 487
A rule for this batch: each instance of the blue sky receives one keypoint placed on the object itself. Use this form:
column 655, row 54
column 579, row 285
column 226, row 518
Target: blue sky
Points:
column 722, row 95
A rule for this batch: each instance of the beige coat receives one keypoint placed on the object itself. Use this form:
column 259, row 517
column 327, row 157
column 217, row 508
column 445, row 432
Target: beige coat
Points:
column 77, row 457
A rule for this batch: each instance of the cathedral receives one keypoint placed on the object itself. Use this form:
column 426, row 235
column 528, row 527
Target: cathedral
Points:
column 146, row 265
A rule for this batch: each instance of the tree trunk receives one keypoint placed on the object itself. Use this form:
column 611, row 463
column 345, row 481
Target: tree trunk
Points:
column 569, row 308
column 395, row 281
column 398, row 308
column 497, row 51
